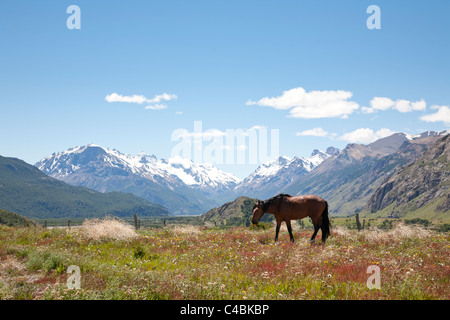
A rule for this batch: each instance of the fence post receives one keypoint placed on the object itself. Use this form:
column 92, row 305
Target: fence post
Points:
column 135, row 222
column 358, row 223
column 68, row 223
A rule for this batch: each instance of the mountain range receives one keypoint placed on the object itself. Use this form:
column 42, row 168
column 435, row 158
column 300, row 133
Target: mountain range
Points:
column 179, row 184
column 401, row 176
column 349, row 179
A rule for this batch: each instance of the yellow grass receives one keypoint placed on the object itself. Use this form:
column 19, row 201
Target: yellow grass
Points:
column 399, row 232
column 186, row 229
column 107, row 229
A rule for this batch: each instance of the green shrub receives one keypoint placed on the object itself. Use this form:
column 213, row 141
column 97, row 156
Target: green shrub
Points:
column 386, row 225
column 419, row 221
column 261, row 226
column 444, row 227
column 139, row 252
column 46, row 261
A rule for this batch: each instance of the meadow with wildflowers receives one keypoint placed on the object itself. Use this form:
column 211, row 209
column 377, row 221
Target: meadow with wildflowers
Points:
column 193, row 262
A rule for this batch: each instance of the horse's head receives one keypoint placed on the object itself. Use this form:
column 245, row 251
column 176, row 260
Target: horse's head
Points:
column 257, row 212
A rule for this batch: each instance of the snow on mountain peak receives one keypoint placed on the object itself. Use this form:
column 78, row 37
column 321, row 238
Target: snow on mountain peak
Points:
column 202, row 175
column 171, row 171
column 426, row 134
column 284, row 166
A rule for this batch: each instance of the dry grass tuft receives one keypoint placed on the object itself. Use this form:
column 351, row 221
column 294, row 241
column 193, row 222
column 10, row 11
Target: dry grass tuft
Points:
column 186, row 229
column 398, row 233
column 343, row 232
column 107, row 229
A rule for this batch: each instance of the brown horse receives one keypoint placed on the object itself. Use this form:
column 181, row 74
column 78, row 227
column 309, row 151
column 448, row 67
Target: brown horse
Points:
column 286, row 208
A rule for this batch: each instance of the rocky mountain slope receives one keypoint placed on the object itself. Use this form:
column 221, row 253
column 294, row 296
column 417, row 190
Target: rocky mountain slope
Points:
column 424, row 182
column 348, row 180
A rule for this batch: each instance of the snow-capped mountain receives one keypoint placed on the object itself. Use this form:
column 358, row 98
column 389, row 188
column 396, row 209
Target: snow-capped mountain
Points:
column 172, row 172
column 179, row 184
column 426, row 134
column 270, row 177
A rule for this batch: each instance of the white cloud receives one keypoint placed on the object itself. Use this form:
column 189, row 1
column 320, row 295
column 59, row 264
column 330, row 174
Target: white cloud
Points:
column 114, row 97
column 162, row 97
column 316, row 132
column 257, row 127
column 311, row 105
column 366, row 135
column 140, row 99
column 156, row 107
column 441, row 115
column 401, row 105
column 381, row 103
column 408, row 106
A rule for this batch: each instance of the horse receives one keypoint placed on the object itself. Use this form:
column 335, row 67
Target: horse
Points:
column 286, row 208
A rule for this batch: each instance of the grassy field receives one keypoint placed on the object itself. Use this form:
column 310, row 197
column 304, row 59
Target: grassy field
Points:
column 191, row 262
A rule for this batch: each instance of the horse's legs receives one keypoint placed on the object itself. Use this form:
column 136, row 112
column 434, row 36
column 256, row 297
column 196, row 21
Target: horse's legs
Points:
column 323, row 235
column 277, row 230
column 288, row 224
column 316, row 229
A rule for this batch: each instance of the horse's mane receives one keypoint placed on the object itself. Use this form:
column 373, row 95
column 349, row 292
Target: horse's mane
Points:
column 268, row 202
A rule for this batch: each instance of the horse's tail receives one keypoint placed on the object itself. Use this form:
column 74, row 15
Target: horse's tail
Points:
column 326, row 225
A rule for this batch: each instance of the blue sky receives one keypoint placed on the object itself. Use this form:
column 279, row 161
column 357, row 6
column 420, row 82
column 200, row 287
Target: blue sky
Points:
column 311, row 70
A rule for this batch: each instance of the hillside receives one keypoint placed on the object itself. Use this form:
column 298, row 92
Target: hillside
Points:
column 14, row 220
column 25, row 190
column 348, row 180
column 420, row 189
column 233, row 213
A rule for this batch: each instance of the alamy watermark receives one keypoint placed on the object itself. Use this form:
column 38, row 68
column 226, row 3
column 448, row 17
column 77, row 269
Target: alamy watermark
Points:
column 74, row 280
column 374, row 20
column 232, row 146
column 74, row 20
column 374, row 280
